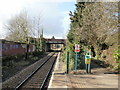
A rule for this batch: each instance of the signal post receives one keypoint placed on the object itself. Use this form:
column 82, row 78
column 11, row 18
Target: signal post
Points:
column 77, row 49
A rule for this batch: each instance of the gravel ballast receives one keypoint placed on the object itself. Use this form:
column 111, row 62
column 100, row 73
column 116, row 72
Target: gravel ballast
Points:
column 18, row 78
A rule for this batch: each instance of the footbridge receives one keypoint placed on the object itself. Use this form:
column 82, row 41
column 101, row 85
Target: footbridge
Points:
column 54, row 44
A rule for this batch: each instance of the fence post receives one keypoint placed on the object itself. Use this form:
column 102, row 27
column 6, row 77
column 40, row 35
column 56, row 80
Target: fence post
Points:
column 67, row 64
column 76, row 60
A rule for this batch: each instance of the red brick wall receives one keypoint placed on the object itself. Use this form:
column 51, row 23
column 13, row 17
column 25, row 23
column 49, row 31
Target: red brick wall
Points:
column 12, row 48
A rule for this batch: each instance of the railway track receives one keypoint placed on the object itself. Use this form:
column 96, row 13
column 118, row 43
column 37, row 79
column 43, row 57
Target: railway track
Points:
column 38, row 78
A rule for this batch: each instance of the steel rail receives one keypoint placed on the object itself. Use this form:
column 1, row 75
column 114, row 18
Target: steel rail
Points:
column 25, row 80
column 47, row 75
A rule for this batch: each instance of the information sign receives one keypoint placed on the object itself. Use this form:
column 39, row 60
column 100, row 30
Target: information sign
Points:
column 87, row 59
column 77, row 48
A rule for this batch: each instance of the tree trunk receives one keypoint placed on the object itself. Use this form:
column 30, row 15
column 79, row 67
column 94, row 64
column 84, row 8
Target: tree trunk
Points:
column 26, row 56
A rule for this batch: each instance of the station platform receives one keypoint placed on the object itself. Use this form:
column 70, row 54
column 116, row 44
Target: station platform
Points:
column 81, row 81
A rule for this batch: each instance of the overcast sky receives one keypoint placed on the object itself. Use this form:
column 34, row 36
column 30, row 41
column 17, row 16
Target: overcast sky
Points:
column 54, row 13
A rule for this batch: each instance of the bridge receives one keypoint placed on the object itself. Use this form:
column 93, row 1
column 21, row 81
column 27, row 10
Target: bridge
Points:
column 53, row 44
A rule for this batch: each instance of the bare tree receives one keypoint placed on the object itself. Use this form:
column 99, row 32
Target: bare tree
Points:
column 19, row 28
column 36, row 31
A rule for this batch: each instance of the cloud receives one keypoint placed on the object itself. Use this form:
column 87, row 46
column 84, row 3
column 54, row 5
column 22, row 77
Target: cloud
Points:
column 2, row 32
column 0, row 27
column 66, row 22
column 10, row 6
column 53, row 1
column 52, row 21
column 55, row 21
column 51, row 17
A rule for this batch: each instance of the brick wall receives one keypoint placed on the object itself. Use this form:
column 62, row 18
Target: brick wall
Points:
column 8, row 48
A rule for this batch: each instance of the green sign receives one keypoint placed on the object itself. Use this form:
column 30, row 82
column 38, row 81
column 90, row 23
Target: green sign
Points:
column 87, row 59
column 87, row 56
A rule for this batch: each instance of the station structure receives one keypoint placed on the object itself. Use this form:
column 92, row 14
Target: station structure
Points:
column 53, row 44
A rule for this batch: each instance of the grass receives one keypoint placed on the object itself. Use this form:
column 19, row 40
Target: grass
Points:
column 13, row 65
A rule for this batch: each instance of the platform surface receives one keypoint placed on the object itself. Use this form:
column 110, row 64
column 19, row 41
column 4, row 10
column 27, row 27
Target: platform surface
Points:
column 60, row 80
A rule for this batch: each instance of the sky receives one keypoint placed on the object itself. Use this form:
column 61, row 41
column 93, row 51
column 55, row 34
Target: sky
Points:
column 55, row 14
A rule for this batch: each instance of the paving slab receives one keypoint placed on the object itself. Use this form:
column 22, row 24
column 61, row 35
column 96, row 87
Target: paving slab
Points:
column 58, row 79
column 82, row 80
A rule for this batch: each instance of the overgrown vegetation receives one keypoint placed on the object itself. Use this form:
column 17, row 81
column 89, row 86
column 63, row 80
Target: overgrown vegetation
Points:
column 93, row 25
column 25, row 29
column 13, row 64
column 117, row 58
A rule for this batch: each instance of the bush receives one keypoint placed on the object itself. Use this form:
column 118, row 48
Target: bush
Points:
column 37, row 53
column 9, row 60
column 117, row 59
